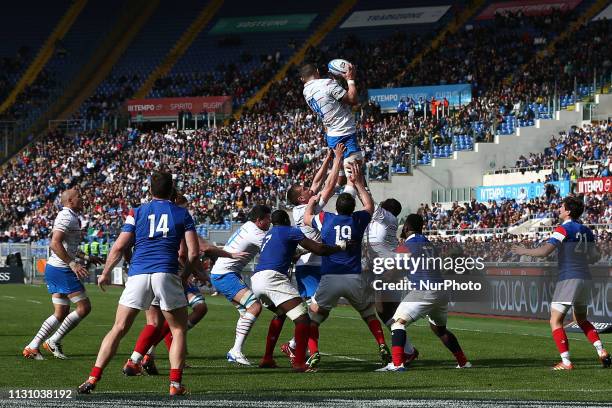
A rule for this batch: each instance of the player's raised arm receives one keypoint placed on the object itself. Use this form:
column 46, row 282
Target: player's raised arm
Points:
column 351, row 97
column 365, row 197
column 540, row 252
column 119, row 247
column 318, row 179
column 321, row 249
column 309, row 212
column 332, row 180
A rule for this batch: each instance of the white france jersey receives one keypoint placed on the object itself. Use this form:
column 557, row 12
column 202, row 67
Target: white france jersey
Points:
column 324, row 98
column 248, row 238
column 67, row 221
column 381, row 235
column 308, row 259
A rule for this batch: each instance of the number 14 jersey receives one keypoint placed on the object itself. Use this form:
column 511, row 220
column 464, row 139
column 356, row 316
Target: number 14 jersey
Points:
column 159, row 227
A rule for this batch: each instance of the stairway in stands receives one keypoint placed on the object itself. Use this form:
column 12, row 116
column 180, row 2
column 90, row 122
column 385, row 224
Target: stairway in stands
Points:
column 315, row 39
column 207, row 13
column 451, row 28
column 45, row 53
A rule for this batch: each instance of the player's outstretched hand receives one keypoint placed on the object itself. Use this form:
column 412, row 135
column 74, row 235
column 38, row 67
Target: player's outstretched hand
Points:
column 96, row 260
column 350, row 73
column 103, row 280
column 339, row 151
column 314, row 199
column 241, row 256
column 78, row 269
column 356, row 176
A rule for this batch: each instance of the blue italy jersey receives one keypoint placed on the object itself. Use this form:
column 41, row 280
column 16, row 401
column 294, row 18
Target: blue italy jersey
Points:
column 278, row 248
column 335, row 228
column 573, row 241
column 422, row 250
column 159, row 227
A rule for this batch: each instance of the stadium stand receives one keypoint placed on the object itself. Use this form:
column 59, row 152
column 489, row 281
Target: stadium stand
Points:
column 278, row 142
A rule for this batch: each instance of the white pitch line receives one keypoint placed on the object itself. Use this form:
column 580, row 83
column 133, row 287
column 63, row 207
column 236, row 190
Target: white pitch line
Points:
column 9, row 297
column 343, row 357
column 33, row 301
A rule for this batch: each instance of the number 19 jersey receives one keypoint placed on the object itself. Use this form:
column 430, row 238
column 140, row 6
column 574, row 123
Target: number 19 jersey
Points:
column 159, row 227
column 335, row 228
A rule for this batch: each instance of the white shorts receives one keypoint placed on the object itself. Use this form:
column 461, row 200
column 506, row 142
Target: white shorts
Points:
column 571, row 292
column 346, row 164
column 141, row 289
column 273, row 288
column 419, row 304
column 352, row 287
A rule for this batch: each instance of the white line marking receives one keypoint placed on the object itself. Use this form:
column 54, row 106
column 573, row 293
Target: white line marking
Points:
column 9, row 297
column 343, row 357
column 33, row 301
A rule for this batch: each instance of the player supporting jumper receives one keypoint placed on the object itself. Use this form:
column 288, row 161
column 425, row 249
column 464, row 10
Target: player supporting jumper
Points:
column 332, row 104
column 421, row 303
column 271, row 284
column 381, row 242
column 63, row 275
column 576, row 249
column 308, row 267
column 227, row 279
column 156, row 231
column 341, row 274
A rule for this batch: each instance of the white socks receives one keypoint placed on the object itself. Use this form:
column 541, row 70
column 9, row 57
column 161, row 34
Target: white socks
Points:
column 45, row 331
column 565, row 357
column 243, row 327
column 70, row 322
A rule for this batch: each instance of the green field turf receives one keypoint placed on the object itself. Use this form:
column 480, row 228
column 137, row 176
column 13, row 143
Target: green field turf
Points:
column 512, row 358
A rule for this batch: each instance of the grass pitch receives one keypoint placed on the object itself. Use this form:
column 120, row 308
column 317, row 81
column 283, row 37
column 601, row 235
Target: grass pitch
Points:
column 512, row 360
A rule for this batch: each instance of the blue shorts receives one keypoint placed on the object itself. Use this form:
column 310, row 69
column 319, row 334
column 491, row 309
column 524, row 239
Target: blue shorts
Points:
column 193, row 289
column 307, row 277
column 350, row 142
column 62, row 280
column 228, row 284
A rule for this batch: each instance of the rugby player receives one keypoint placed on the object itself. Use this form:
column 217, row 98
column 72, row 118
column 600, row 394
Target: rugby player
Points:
column 333, row 105
column 575, row 245
column 271, row 284
column 381, row 242
column 227, row 279
column 308, row 266
column 63, row 276
column 155, row 231
column 341, row 273
column 421, row 303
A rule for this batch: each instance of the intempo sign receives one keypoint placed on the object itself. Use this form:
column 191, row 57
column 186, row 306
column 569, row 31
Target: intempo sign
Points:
column 164, row 107
column 595, row 185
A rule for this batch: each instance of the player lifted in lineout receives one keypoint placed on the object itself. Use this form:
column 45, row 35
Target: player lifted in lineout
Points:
column 332, row 104
column 308, row 266
column 576, row 248
column 271, row 284
column 341, row 273
column 156, row 231
column 63, row 275
column 418, row 304
column 227, row 279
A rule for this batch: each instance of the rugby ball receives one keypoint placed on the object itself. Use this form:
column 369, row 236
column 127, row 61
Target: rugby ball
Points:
column 338, row 66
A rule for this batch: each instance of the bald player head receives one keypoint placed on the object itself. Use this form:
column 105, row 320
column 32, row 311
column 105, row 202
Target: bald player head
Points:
column 72, row 199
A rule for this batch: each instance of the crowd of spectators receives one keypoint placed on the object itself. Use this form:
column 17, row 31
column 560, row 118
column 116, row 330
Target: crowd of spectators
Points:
column 225, row 170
